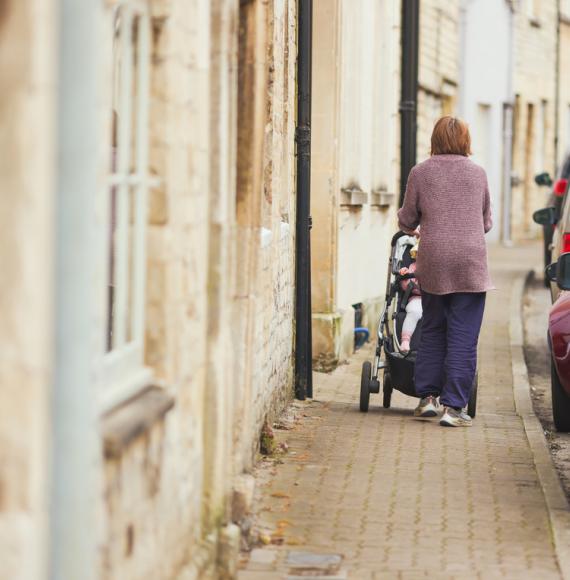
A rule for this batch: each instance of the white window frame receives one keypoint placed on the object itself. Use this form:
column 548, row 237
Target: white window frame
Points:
column 121, row 371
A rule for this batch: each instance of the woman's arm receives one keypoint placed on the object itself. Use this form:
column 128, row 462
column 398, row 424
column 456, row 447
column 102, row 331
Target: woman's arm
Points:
column 487, row 217
column 409, row 216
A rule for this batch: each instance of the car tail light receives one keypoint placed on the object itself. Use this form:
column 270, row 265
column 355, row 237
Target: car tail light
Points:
column 566, row 244
column 560, row 187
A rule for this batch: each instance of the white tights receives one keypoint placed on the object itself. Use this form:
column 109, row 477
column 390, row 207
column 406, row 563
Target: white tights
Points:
column 413, row 316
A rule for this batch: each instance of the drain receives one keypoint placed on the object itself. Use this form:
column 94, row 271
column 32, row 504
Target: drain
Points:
column 313, row 565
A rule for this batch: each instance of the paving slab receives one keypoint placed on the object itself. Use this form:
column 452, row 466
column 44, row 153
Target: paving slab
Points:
column 397, row 497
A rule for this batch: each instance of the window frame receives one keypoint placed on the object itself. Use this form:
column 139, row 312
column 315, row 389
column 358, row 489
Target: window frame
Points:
column 120, row 369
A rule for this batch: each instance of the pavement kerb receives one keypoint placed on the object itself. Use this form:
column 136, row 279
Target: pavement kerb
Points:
column 556, row 502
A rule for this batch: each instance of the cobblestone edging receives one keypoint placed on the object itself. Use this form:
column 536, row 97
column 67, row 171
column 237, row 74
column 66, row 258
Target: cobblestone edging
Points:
column 557, row 505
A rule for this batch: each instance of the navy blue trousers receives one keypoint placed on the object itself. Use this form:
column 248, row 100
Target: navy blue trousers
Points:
column 447, row 357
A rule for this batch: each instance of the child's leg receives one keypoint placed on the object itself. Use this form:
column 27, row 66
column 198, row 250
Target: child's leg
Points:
column 413, row 316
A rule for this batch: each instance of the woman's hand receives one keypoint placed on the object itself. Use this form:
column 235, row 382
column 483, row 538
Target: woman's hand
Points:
column 404, row 271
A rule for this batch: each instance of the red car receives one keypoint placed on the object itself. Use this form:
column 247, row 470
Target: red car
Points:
column 558, row 274
column 559, row 342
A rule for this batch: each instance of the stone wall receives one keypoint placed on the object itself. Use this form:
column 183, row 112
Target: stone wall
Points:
column 439, row 67
column 219, row 294
column 221, row 274
column 154, row 491
column 354, row 167
column 534, row 115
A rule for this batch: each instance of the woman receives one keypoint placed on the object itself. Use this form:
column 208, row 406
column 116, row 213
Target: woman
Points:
column 448, row 196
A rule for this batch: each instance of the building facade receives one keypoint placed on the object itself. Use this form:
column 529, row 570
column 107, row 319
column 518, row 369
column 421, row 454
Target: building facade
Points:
column 354, row 167
column 486, row 95
column 149, row 321
column 534, row 134
column 495, row 64
column 149, row 213
column 439, row 70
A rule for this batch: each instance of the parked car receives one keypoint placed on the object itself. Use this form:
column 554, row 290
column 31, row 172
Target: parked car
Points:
column 555, row 200
column 559, row 343
column 557, row 219
column 558, row 276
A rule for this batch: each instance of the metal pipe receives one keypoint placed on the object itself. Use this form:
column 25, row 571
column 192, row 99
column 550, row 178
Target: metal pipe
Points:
column 508, row 121
column 75, row 492
column 409, row 96
column 303, row 322
column 507, row 172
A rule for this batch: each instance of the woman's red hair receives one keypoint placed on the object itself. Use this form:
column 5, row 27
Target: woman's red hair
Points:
column 451, row 137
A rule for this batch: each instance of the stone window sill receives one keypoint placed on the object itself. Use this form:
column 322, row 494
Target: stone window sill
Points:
column 382, row 199
column 127, row 422
column 353, row 197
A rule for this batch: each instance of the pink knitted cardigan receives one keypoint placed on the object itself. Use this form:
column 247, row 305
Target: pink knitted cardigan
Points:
column 448, row 196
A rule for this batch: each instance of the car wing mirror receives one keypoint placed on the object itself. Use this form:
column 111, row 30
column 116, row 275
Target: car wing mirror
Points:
column 543, row 179
column 545, row 216
column 563, row 272
column 550, row 272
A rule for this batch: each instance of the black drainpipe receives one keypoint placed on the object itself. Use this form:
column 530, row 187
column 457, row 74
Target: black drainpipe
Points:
column 303, row 323
column 409, row 100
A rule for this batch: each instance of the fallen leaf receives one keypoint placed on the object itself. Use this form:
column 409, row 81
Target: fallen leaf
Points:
column 293, row 541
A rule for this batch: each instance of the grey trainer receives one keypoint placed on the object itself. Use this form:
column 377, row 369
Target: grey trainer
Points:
column 427, row 407
column 453, row 418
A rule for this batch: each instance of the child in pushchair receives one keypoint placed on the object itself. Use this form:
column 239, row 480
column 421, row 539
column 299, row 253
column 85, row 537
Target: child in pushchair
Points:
column 411, row 300
column 399, row 330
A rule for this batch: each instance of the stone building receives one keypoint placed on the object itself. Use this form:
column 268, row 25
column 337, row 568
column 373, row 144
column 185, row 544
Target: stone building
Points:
column 535, row 44
column 439, row 72
column 486, row 96
column 355, row 149
column 148, row 209
column 505, row 87
column 354, row 166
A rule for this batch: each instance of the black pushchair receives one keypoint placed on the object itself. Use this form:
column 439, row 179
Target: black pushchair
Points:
column 398, row 366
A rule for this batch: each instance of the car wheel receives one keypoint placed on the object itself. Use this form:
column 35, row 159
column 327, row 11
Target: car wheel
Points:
column 560, row 402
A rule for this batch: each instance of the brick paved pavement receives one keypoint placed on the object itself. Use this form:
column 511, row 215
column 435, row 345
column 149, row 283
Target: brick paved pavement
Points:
column 402, row 498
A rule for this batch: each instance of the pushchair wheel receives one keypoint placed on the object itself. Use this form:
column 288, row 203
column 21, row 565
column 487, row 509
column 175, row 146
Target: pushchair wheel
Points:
column 365, row 386
column 472, row 404
column 387, row 399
